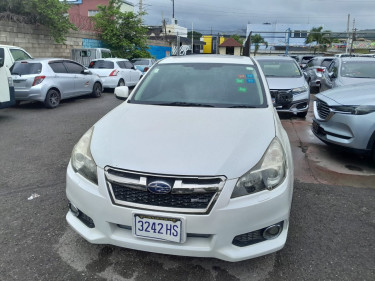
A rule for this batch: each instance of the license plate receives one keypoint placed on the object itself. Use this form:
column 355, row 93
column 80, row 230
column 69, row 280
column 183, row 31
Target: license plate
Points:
column 160, row 228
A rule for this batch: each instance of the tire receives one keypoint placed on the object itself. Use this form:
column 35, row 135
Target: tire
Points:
column 52, row 99
column 96, row 90
column 17, row 103
column 121, row 82
column 302, row 114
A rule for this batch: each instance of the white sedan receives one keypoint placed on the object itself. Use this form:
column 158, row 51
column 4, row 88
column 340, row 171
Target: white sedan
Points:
column 115, row 72
column 195, row 163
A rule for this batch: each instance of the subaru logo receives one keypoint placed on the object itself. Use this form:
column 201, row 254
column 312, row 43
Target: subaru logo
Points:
column 159, row 187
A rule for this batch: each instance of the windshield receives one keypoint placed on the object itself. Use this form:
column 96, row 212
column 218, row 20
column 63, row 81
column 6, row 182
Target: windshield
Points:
column 201, row 84
column 24, row 68
column 358, row 69
column 140, row 62
column 274, row 68
column 102, row 64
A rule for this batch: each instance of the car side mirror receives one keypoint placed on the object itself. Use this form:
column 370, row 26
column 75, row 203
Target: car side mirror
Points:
column 332, row 75
column 122, row 92
column 86, row 71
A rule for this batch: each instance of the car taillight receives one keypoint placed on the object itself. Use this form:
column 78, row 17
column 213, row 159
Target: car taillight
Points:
column 320, row 69
column 114, row 73
column 146, row 68
column 38, row 80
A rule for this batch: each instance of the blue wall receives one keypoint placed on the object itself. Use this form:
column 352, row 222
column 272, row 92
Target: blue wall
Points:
column 160, row 52
column 92, row 43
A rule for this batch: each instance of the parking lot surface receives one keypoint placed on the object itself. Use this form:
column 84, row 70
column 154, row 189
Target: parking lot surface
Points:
column 330, row 236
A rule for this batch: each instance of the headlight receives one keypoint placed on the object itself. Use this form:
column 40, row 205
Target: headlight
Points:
column 82, row 160
column 353, row 109
column 267, row 174
column 299, row 90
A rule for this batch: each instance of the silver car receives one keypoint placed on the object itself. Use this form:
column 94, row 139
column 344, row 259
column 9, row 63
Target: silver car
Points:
column 345, row 117
column 348, row 70
column 314, row 70
column 289, row 89
column 52, row 80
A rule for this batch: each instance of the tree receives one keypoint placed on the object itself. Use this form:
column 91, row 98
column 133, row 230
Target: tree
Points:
column 123, row 32
column 50, row 13
column 257, row 39
column 196, row 35
column 319, row 37
column 238, row 38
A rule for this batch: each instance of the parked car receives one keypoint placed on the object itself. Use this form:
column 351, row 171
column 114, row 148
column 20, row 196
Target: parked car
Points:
column 6, row 90
column 85, row 55
column 303, row 59
column 143, row 64
column 12, row 54
column 116, row 72
column 345, row 117
column 180, row 168
column 289, row 89
column 348, row 70
column 50, row 80
column 314, row 71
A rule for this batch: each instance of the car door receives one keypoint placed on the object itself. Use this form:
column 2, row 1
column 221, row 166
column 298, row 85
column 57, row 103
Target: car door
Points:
column 125, row 73
column 133, row 73
column 82, row 82
column 330, row 75
column 62, row 79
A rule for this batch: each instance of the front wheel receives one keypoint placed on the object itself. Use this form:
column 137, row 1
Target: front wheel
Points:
column 52, row 99
column 97, row 90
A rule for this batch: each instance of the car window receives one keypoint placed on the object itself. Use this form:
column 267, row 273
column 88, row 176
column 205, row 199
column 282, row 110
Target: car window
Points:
column 140, row 62
column 58, row 67
column 73, row 67
column 25, row 68
column 128, row 65
column 310, row 63
column 102, row 64
column 121, row 64
column 306, row 59
column 106, row 55
column 280, row 68
column 333, row 68
column 2, row 56
column 19, row 55
column 358, row 69
column 220, row 85
column 326, row 62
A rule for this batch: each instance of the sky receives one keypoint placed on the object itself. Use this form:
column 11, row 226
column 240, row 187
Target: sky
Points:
column 232, row 16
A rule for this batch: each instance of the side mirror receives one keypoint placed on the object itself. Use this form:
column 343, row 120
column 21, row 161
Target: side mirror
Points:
column 332, row 75
column 122, row 92
column 86, row 71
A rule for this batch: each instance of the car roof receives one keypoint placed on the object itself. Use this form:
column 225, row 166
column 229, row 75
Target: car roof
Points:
column 207, row 59
column 275, row 58
column 111, row 59
column 46, row 60
column 357, row 59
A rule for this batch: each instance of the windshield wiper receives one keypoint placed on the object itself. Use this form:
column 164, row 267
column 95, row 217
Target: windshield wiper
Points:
column 180, row 103
column 242, row 106
column 15, row 73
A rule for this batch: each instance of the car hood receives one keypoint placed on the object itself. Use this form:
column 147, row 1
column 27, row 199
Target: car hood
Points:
column 183, row 140
column 343, row 81
column 279, row 83
column 357, row 94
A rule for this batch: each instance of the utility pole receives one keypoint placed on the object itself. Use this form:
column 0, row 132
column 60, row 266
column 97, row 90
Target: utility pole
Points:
column 140, row 6
column 173, row 10
column 192, row 38
column 347, row 34
column 354, row 30
column 287, row 42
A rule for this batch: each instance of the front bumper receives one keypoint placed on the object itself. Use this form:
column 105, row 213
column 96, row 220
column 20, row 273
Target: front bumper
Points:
column 208, row 235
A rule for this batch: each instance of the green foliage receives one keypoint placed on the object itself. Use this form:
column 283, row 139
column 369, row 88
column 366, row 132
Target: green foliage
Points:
column 50, row 13
column 321, row 38
column 123, row 32
column 238, row 38
column 257, row 39
column 196, row 35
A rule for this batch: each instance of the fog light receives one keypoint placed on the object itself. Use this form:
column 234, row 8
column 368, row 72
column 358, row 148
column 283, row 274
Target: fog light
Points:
column 73, row 209
column 272, row 231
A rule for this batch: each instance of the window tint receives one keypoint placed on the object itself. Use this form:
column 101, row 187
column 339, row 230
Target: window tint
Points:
column 106, row 55
column 275, row 68
column 140, row 62
column 326, row 62
column 19, row 55
column 73, row 67
column 24, row 68
column 128, row 65
column 121, row 64
column 310, row 63
column 220, row 85
column 58, row 67
column 306, row 59
column 358, row 69
column 102, row 64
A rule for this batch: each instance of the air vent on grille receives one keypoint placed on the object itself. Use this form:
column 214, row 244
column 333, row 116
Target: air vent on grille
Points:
column 323, row 109
column 187, row 195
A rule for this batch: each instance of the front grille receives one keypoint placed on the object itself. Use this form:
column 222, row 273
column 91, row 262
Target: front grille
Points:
column 187, row 194
column 282, row 98
column 323, row 109
column 193, row 201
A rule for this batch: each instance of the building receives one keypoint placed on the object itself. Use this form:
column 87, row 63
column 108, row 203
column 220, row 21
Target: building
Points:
column 276, row 34
column 81, row 11
column 230, row 47
column 211, row 43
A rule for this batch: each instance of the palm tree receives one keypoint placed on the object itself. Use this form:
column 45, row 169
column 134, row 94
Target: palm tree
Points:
column 256, row 39
column 321, row 38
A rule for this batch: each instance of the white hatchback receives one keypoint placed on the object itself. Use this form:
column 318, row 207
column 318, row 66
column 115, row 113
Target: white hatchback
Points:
column 115, row 72
column 194, row 163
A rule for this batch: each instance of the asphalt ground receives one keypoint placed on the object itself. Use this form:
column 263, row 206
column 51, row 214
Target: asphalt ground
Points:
column 331, row 235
